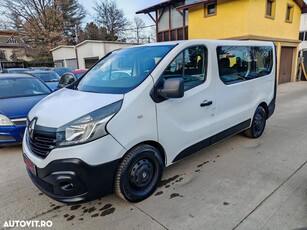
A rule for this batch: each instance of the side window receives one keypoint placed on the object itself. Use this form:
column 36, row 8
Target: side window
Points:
column 210, row 9
column 191, row 65
column 263, row 61
column 241, row 63
column 270, row 9
column 289, row 13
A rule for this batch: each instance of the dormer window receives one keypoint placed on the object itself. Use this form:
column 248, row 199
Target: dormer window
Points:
column 12, row 40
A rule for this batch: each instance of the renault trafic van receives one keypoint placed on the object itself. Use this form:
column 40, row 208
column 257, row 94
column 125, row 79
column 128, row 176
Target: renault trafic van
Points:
column 142, row 108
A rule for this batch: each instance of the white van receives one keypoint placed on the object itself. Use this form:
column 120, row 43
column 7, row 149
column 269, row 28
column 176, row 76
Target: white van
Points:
column 143, row 108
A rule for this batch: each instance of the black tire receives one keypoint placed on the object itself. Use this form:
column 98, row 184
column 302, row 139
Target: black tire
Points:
column 139, row 173
column 258, row 123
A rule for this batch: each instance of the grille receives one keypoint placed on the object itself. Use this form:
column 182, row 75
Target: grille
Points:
column 6, row 138
column 42, row 143
column 20, row 121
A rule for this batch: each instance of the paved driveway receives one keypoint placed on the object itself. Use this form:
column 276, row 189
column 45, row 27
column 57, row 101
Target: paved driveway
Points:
column 239, row 183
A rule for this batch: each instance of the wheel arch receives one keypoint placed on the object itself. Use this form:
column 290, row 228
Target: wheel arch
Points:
column 126, row 184
column 266, row 108
column 154, row 144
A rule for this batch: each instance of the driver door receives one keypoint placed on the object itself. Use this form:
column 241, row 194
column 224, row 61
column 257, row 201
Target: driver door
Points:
column 184, row 124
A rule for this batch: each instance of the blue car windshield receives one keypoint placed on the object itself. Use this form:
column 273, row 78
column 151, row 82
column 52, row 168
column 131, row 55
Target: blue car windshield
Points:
column 22, row 87
column 47, row 76
column 123, row 70
column 60, row 71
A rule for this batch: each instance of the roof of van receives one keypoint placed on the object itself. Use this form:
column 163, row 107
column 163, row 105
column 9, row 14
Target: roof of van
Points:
column 208, row 41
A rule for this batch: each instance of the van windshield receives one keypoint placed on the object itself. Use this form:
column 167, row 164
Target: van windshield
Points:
column 123, row 70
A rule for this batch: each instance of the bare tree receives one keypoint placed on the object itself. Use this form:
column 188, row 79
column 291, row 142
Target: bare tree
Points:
column 41, row 27
column 112, row 18
column 5, row 24
column 42, row 23
column 152, row 34
column 139, row 26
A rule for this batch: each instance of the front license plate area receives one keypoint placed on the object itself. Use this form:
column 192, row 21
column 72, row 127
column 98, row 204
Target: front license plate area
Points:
column 30, row 165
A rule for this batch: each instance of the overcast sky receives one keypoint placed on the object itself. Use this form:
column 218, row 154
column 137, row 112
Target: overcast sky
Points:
column 129, row 7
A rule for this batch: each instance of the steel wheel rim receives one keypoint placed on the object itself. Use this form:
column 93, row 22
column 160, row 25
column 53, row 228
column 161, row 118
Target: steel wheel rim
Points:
column 142, row 174
column 259, row 123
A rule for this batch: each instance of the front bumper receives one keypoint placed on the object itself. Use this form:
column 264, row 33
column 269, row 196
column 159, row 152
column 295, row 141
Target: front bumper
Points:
column 11, row 134
column 74, row 181
column 77, row 173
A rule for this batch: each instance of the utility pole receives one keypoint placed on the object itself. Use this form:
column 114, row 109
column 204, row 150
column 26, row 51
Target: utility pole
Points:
column 137, row 34
column 76, row 34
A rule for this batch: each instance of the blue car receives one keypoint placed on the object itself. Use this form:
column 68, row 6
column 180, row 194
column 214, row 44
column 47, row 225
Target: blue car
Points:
column 18, row 94
column 61, row 70
column 51, row 78
column 15, row 70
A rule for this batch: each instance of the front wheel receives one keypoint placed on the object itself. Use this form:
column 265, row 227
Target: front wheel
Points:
column 139, row 173
column 258, row 123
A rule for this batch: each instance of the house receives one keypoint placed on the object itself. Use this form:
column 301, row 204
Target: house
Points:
column 12, row 47
column 265, row 20
column 171, row 24
column 303, row 30
column 64, row 56
column 85, row 54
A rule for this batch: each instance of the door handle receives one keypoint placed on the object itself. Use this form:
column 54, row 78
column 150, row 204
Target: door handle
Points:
column 206, row 103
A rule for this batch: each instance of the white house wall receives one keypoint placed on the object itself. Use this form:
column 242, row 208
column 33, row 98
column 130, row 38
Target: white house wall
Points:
column 20, row 53
column 303, row 28
column 91, row 50
column 303, row 24
column 163, row 23
column 110, row 47
column 177, row 19
column 64, row 53
column 65, row 56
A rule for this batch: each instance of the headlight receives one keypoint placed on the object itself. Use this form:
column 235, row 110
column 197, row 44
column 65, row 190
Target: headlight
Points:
column 87, row 128
column 5, row 121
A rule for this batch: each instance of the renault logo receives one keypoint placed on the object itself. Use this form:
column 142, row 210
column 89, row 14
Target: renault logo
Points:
column 32, row 127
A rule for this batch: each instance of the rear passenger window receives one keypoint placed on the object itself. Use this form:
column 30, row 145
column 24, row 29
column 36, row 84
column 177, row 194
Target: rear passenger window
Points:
column 191, row 65
column 241, row 63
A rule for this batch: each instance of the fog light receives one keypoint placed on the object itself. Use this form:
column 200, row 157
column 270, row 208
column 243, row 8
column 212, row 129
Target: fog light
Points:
column 66, row 186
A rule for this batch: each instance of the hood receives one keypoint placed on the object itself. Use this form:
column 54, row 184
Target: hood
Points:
column 18, row 107
column 66, row 105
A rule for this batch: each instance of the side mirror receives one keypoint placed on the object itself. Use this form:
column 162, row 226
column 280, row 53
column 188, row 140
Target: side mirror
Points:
column 172, row 88
column 60, row 86
column 65, row 80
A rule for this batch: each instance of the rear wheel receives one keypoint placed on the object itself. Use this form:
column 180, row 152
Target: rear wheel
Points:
column 258, row 123
column 139, row 173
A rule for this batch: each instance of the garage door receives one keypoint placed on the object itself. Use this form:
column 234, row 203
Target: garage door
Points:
column 285, row 64
column 72, row 63
column 89, row 62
